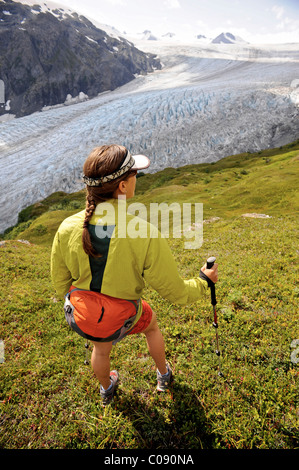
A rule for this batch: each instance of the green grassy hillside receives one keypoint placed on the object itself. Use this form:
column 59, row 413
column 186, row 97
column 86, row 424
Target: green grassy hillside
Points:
column 50, row 399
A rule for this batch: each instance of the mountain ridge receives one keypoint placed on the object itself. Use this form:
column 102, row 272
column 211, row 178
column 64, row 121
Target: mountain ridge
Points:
column 45, row 56
column 228, row 38
column 223, row 38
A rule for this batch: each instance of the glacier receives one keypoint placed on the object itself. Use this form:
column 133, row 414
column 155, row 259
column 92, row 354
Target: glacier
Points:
column 207, row 102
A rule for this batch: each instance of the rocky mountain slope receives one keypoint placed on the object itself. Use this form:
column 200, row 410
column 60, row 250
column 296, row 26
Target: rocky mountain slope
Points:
column 46, row 55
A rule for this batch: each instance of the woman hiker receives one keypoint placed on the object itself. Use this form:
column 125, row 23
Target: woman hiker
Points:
column 100, row 267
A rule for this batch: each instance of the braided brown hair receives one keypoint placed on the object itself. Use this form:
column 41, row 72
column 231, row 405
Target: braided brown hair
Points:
column 101, row 161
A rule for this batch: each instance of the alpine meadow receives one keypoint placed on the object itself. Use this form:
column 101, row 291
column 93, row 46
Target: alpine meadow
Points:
column 49, row 395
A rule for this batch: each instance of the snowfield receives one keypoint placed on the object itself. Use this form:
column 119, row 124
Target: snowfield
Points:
column 207, row 102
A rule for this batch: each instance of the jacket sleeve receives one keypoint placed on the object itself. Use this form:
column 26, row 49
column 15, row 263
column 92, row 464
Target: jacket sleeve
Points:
column 160, row 271
column 60, row 274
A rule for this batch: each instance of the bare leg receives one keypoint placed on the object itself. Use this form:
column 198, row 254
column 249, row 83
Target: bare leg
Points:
column 100, row 362
column 156, row 345
column 100, row 358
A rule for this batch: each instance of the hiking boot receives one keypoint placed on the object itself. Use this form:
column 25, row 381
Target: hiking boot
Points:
column 163, row 381
column 107, row 395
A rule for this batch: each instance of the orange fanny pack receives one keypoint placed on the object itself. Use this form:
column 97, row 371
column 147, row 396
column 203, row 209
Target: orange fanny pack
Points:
column 99, row 317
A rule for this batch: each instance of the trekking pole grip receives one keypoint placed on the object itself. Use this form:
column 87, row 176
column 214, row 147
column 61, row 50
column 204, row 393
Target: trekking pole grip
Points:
column 210, row 262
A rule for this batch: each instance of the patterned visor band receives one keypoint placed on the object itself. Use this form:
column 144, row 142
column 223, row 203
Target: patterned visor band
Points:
column 126, row 166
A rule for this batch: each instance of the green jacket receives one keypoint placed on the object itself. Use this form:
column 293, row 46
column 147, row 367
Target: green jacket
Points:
column 127, row 262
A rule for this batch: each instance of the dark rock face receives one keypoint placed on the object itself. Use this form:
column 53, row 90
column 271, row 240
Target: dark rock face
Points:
column 43, row 58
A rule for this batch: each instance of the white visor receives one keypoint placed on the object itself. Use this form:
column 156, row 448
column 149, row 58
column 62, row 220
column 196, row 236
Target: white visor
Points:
column 141, row 162
column 131, row 162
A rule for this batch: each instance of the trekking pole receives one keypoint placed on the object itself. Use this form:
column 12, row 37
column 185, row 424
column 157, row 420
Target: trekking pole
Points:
column 210, row 263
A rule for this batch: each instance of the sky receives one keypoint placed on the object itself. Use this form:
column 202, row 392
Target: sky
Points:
column 255, row 21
